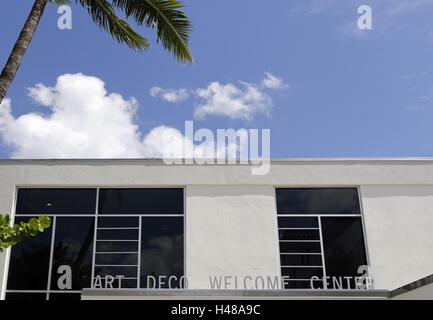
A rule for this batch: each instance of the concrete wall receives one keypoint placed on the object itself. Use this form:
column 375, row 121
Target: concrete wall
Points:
column 231, row 231
column 399, row 227
column 231, row 226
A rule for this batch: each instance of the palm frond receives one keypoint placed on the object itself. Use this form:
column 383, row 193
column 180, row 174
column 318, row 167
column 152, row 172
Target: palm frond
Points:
column 173, row 26
column 105, row 17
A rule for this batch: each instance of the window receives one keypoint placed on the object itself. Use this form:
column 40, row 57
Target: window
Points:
column 161, row 251
column 108, row 238
column 321, row 237
column 29, row 262
column 141, row 201
column 56, row 201
column 73, row 247
column 318, row 201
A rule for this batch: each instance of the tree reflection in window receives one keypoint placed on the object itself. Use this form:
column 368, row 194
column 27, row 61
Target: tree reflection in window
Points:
column 161, row 250
column 29, row 261
column 73, row 247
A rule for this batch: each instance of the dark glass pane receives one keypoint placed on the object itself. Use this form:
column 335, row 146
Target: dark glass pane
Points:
column 73, row 248
column 114, row 271
column 343, row 243
column 65, row 296
column 117, row 259
column 301, row 260
column 110, row 222
column 302, row 273
column 317, row 201
column 26, row 296
column 118, row 234
column 299, row 234
column 161, row 248
column 297, row 222
column 56, row 201
column 128, row 283
column 117, row 246
column 303, row 284
column 29, row 261
column 141, row 201
column 300, row 247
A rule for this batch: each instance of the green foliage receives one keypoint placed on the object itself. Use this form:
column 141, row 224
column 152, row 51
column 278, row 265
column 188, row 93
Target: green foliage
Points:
column 172, row 26
column 12, row 235
column 103, row 14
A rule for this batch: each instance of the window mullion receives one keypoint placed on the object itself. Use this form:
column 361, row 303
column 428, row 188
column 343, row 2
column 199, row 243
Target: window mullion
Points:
column 94, row 238
column 325, row 285
column 139, row 252
column 50, row 268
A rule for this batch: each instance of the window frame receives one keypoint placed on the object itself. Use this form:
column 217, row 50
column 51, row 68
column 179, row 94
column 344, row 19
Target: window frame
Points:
column 318, row 216
column 94, row 215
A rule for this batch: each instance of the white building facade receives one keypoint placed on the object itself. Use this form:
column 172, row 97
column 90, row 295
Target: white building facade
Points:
column 145, row 229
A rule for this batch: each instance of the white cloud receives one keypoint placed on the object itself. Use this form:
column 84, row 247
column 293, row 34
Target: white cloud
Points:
column 388, row 15
column 170, row 95
column 231, row 101
column 351, row 29
column 85, row 121
column 171, row 139
column 397, row 8
column 234, row 101
column 273, row 82
column 42, row 94
column 389, row 7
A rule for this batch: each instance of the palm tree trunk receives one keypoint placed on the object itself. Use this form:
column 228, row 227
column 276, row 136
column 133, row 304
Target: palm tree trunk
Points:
column 20, row 48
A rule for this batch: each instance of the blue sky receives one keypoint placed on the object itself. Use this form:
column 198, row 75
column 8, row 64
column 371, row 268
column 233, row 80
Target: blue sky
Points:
column 338, row 91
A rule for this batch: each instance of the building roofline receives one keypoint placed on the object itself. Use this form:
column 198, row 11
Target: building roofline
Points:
column 205, row 294
column 260, row 294
column 276, row 160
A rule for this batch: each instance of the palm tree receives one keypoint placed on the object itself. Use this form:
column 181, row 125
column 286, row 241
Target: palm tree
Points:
column 172, row 27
